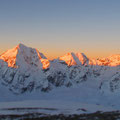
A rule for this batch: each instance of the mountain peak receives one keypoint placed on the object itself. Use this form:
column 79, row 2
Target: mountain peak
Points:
column 68, row 58
column 115, row 56
column 22, row 56
column 82, row 58
column 21, row 45
column 74, row 58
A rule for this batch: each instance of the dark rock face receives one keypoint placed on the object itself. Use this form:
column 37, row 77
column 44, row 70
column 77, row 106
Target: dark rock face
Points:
column 57, row 78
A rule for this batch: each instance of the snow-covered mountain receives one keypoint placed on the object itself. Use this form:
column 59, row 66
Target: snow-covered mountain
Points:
column 22, row 56
column 74, row 59
column 21, row 69
column 24, row 70
column 113, row 60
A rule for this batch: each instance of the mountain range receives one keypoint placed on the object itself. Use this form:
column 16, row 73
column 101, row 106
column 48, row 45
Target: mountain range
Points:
column 25, row 73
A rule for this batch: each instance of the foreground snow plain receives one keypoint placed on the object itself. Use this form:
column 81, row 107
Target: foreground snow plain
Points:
column 59, row 101
column 50, row 107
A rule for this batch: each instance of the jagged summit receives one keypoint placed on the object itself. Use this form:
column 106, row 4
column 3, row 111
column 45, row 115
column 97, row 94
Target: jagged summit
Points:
column 113, row 60
column 74, row 59
column 114, row 56
column 22, row 55
column 20, row 45
column 82, row 57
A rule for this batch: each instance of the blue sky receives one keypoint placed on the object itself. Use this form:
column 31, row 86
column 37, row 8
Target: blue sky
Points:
column 56, row 27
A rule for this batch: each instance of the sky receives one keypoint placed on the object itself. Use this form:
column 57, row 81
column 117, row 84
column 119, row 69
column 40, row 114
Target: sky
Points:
column 56, row 27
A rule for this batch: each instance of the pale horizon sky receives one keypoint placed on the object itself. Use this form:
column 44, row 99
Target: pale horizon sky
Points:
column 56, row 27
